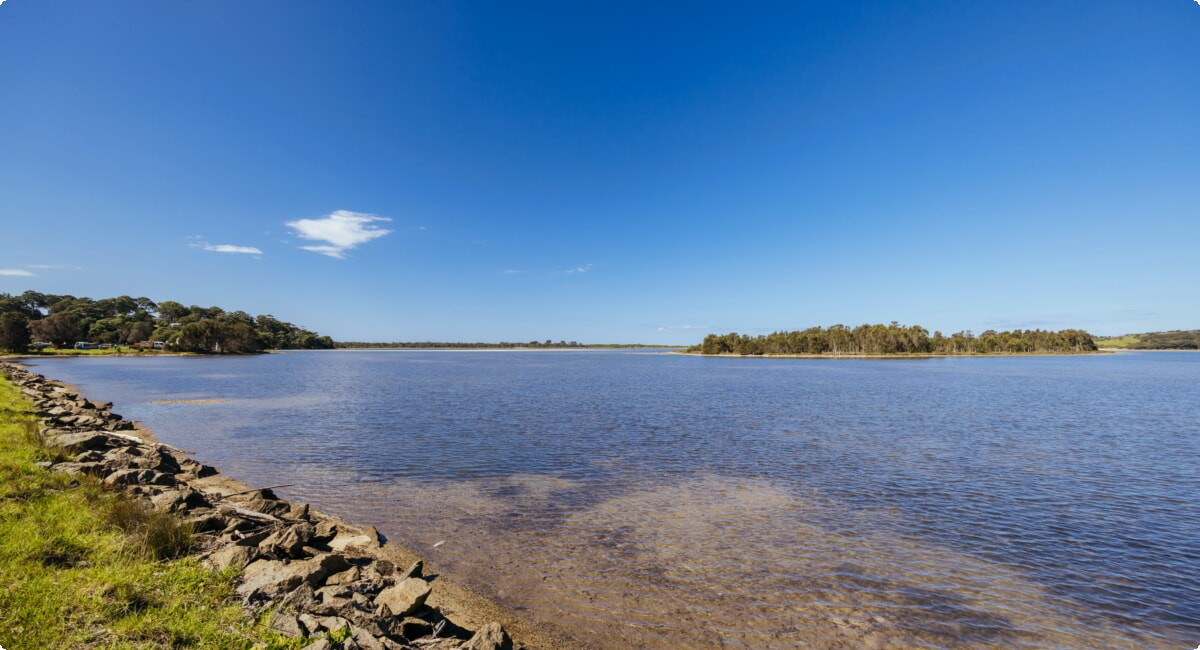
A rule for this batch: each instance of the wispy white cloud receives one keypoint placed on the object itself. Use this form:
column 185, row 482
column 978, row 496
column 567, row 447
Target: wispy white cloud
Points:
column 17, row 273
column 341, row 231
column 511, row 271
column 580, row 269
column 230, row 248
column 672, row 328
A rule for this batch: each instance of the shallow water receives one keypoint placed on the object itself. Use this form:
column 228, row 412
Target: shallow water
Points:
column 660, row 501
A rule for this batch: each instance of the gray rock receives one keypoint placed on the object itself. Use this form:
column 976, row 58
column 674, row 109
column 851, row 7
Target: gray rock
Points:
column 405, row 597
column 205, row 471
column 310, row 623
column 210, row 522
column 345, row 577
column 319, row 644
column 414, row 571
column 290, row 541
column 232, row 555
column 303, row 599
column 82, row 441
column 329, row 594
column 179, row 500
column 266, row 579
column 90, row 456
column 138, row 477
column 78, row 469
column 334, row 563
column 253, row 539
column 364, row 639
column 299, row 512
column 367, row 539
column 259, row 502
column 332, row 623
column 288, row 625
column 326, row 530
column 489, row 637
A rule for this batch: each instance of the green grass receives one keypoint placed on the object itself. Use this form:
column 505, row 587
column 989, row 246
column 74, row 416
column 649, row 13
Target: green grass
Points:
column 71, row 352
column 84, row 567
column 1119, row 342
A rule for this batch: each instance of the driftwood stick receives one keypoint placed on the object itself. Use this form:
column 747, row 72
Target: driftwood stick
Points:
column 140, row 441
column 252, row 515
column 269, row 487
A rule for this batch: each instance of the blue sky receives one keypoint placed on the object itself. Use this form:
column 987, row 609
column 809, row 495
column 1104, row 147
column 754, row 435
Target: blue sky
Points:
column 613, row 172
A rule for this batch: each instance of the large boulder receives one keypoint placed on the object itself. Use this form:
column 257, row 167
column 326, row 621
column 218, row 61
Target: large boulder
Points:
column 290, row 541
column 268, row 579
column 288, row 625
column 232, row 555
column 366, row 539
column 134, row 476
column 76, row 469
column 405, row 597
column 489, row 637
column 179, row 500
column 80, row 441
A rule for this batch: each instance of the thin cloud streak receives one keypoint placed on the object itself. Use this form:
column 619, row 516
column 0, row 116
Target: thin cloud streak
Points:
column 674, row 328
column 17, row 273
column 230, row 248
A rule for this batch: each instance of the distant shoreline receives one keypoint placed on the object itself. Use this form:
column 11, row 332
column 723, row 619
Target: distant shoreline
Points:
column 483, row 349
column 1146, row 350
column 914, row 355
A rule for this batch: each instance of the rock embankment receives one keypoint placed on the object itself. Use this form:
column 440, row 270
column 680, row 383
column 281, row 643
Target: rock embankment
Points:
column 316, row 573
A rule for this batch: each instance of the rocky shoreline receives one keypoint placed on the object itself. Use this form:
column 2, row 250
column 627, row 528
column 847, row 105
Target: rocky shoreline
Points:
column 316, row 573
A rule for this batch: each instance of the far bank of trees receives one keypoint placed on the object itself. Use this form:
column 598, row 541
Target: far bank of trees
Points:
column 1172, row 340
column 460, row 345
column 546, row 345
column 64, row 320
column 895, row 339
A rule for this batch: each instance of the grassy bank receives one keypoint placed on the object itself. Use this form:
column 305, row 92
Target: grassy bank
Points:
column 1118, row 342
column 84, row 567
column 115, row 351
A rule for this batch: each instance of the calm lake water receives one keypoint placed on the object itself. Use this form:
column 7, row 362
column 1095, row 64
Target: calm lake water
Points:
column 660, row 501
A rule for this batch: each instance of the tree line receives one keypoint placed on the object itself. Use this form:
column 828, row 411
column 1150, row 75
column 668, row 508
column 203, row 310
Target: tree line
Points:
column 547, row 344
column 895, row 339
column 63, row 320
column 1172, row 340
column 460, row 345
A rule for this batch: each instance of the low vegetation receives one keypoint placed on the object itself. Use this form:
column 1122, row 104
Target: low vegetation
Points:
column 63, row 320
column 895, row 339
column 83, row 567
column 1172, row 340
column 547, row 345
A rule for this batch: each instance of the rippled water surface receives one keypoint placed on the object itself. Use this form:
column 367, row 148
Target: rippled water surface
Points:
column 660, row 501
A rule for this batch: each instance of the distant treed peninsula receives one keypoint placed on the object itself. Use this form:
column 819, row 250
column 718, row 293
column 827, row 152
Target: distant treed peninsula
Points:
column 65, row 320
column 895, row 339
column 546, row 345
column 1173, row 340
